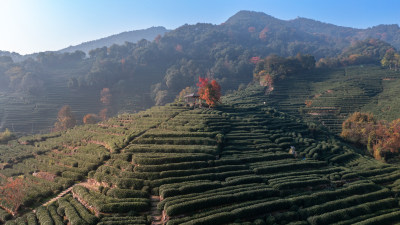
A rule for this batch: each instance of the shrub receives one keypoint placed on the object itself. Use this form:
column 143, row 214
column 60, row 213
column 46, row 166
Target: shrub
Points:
column 390, row 218
column 124, row 207
column 43, row 216
column 126, row 193
column 70, row 212
column 54, row 215
column 219, row 218
column 202, row 203
column 332, row 217
column 126, row 183
column 4, row 215
column 289, row 166
column 72, row 175
column 86, row 216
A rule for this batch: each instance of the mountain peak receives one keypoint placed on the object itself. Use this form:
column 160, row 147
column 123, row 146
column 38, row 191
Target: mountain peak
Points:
column 246, row 16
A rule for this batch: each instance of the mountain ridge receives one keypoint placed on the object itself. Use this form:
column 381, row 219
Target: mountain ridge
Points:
column 119, row 39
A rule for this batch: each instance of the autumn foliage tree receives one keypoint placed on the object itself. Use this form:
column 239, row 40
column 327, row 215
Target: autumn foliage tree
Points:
column 381, row 138
column 391, row 59
column 91, row 118
column 209, row 91
column 65, row 119
column 5, row 136
column 12, row 194
column 105, row 96
column 386, row 140
column 358, row 127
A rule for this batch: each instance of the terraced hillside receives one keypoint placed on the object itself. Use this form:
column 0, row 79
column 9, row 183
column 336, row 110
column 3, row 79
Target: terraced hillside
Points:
column 179, row 165
column 330, row 95
column 37, row 114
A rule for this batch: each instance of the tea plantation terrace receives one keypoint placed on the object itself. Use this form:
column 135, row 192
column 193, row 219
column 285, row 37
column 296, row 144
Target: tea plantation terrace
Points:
column 178, row 165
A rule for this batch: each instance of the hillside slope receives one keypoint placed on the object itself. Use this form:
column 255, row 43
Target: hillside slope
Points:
column 179, row 165
column 331, row 95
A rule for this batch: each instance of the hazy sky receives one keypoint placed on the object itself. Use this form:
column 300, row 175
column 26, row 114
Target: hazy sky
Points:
column 28, row 26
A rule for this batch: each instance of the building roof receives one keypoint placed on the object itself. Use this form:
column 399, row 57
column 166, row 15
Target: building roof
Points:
column 193, row 95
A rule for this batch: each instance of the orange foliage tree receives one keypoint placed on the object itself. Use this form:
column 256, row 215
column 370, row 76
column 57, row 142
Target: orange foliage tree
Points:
column 381, row 138
column 90, row 118
column 209, row 91
column 12, row 194
column 105, row 96
column 308, row 103
column 103, row 114
column 358, row 127
column 386, row 141
column 65, row 119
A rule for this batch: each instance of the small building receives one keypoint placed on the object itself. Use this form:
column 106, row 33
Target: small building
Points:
column 192, row 99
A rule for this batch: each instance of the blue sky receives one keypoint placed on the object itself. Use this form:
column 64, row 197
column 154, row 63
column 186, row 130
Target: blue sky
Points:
column 29, row 26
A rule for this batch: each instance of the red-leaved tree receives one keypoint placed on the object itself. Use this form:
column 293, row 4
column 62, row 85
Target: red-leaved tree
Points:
column 105, row 96
column 381, row 138
column 65, row 119
column 387, row 140
column 91, row 118
column 209, row 91
column 357, row 128
column 12, row 194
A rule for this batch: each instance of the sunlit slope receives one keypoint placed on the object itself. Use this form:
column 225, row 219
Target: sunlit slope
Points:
column 178, row 165
column 30, row 114
column 330, row 95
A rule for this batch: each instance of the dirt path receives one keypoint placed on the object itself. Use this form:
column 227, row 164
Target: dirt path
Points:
column 66, row 191
column 156, row 215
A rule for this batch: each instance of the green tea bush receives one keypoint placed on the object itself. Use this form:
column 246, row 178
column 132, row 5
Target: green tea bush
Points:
column 54, row 215
column 4, row 215
column 198, row 204
column 43, row 216
column 83, row 212
column 126, row 193
column 31, row 219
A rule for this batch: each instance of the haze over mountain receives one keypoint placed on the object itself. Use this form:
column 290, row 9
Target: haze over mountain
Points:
column 154, row 72
column 119, row 39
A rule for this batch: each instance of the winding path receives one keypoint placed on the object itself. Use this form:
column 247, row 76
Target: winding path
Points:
column 66, row 191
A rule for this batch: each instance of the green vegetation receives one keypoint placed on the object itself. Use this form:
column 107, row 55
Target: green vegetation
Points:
column 6, row 136
column 329, row 96
column 180, row 165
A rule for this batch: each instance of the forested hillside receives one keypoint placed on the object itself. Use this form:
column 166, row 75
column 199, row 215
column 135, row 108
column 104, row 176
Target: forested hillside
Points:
column 148, row 73
column 242, row 162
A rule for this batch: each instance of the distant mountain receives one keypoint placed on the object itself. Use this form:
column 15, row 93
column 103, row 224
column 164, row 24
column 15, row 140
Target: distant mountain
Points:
column 119, row 39
column 317, row 27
